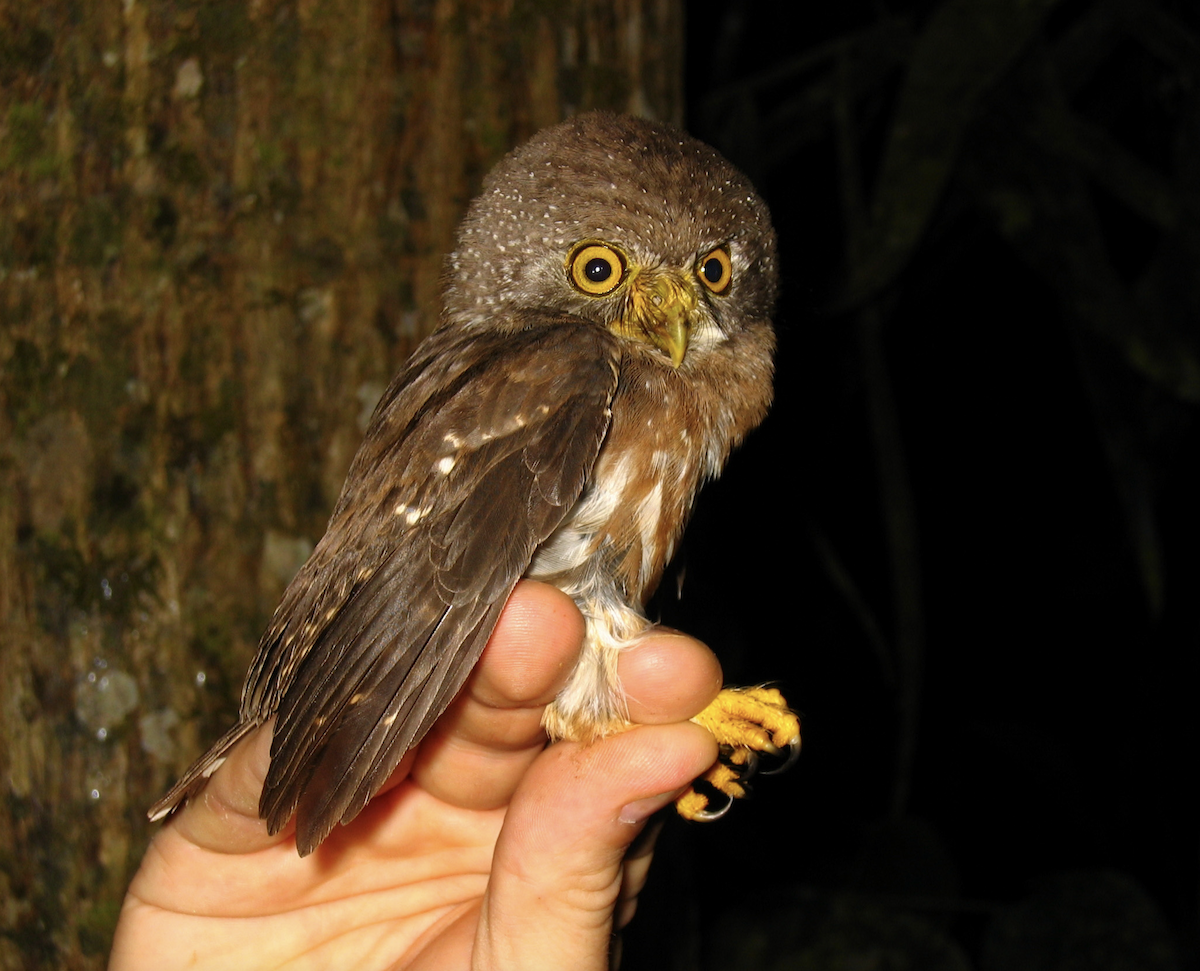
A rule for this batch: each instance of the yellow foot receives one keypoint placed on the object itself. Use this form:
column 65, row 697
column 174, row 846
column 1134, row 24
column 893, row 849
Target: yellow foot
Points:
column 744, row 721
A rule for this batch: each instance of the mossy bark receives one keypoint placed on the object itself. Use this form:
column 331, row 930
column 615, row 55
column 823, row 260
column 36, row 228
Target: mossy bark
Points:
column 221, row 231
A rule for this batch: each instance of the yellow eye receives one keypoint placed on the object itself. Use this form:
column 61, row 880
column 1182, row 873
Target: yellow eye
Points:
column 595, row 268
column 715, row 270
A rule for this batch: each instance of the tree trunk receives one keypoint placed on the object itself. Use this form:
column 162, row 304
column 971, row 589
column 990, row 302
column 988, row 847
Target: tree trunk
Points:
column 221, row 231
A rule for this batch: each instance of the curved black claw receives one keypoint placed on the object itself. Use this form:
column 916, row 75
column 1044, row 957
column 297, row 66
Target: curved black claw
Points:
column 708, row 815
column 793, row 755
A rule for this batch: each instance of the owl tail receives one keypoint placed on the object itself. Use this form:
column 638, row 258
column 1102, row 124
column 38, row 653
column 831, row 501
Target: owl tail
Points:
column 195, row 778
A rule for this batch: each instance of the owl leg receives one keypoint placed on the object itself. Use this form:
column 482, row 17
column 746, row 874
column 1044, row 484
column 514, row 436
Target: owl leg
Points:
column 744, row 721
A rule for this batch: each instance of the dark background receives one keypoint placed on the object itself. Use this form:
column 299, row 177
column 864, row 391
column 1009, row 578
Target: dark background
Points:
column 965, row 541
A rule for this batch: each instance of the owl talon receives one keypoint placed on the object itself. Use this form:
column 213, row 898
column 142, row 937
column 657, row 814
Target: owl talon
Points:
column 693, row 805
column 793, row 753
column 751, row 765
column 745, row 722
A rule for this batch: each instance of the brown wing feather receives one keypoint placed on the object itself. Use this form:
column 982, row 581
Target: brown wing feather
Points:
column 474, row 455
column 472, row 466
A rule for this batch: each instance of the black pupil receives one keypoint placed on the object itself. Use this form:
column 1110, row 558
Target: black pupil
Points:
column 713, row 270
column 598, row 270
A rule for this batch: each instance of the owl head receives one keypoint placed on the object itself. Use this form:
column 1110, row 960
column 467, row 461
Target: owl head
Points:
column 629, row 223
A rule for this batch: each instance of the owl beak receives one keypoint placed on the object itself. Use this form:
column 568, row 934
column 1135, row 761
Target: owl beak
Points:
column 659, row 311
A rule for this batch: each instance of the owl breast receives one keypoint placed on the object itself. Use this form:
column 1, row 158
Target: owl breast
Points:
column 610, row 550
column 622, row 531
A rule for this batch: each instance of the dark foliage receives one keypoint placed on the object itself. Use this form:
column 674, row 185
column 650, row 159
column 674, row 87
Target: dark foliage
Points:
column 967, row 539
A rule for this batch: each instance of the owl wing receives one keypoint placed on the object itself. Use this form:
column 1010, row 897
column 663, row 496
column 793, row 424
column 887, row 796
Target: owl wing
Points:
column 474, row 455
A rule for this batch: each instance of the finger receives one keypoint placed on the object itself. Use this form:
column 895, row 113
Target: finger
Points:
column 481, row 747
column 223, row 817
column 531, row 651
column 668, row 677
column 636, row 870
column 557, row 869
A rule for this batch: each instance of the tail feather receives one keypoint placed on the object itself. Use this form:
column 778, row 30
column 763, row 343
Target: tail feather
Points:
column 197, row 776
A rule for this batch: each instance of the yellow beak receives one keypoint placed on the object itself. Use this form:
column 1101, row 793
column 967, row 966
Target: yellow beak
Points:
column 658, row 311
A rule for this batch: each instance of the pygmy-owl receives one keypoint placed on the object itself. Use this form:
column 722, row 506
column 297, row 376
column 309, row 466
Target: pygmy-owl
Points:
column 605, row 341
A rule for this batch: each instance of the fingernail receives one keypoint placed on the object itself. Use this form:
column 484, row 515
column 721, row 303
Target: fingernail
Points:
column 638, row 810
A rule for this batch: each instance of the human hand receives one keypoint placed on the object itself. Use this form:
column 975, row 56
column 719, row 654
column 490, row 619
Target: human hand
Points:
column 485, row 850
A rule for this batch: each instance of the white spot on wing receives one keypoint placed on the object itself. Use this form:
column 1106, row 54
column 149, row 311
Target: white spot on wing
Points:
column 217, row 763
column 412, row 515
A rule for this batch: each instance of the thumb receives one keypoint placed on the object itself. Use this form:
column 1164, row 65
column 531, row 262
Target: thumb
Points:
column 223, row 816
column 557, row 869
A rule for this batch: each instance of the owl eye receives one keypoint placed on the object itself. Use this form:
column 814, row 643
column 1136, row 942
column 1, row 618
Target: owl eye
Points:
column 595, row 268
column 715, row 270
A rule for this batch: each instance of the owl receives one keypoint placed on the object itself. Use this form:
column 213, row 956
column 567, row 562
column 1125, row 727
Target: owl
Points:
column 605, row 341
